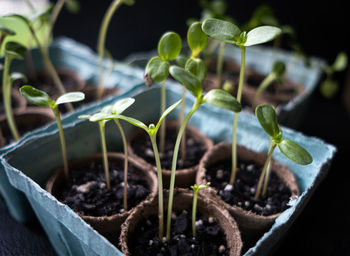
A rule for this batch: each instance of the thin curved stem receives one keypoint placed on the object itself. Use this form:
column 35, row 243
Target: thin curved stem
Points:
column 104, row 153
column 220, row 62
column 174, row 161
column 235, row 120
column 160, row 188
column 181, row 120
column 163, row 125
column 262, row 87
column 194, row 211
column 6, row 87
column 125, row 164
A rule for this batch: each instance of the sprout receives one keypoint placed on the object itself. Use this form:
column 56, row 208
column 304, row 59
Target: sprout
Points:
column 102, row 118
column 278, row 70
column 216, row 97
column 267, row 118
column 157, row 70
column 196, row 189
column 13, row 51
column 42, row 99
column 229, row 33
column 152, row 132
column 102, row 52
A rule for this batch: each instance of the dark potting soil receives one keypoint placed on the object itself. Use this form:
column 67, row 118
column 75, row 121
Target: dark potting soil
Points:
column 210, row 239
column 243, row 191
column 142, row 147
column 86, row 190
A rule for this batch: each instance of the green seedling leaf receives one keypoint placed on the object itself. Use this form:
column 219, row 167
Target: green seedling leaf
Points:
column 43, row 16
column 221, row 30
column 196, row 188
column 100, row 117
column 72, row 6
column 122, row 104
column 197, row 39
column 131, row 120
column 107, row 109
column 267, row 118
column 19, row 17
column 6, row 31
column 340, row 62
column 15, row 50
column 295, row 152
column 16, row 76
column 35, row 96
column 165, row 113
column 262, row 35
column 222, row 99
column 187, row 79
column 181, row 61
column 278, row 69
column 329, row 88
column 128, row 2
column 157, row 69
column 85, row 117
column 197, row 67
column 70, row 97
column 169, row 46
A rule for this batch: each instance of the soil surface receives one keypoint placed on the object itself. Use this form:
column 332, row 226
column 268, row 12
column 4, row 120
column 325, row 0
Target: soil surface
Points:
column 86, row 191
column 243, row 191
column 210, row 239
column 142, row 147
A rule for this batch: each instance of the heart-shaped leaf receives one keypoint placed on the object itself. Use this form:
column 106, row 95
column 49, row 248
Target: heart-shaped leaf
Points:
column 221, row 30
column 262, row 35
column 70, row 97
column 187, row 79
column 35, row 96
column 222, row 99
column 295, row 152
column 157, row 69
column 169, row 46
column 122, row 104
column 197, row 67
column 196, row 38
column 267, row 118
column 15, row 50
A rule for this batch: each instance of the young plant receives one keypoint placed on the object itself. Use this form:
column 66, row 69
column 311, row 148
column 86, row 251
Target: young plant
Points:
column 216, row 97
column 102, row 52
column 229, row 33
column 13, row 51
column 117, row 108
column 42, row 99
column 196, row 189
column 329, row 86
column 267, row 118
column 278, row 70
column 157, row 70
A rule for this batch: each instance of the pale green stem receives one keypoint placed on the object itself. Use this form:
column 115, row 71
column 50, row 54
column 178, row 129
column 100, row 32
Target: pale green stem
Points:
column 194, row 211
column 160, row 187
column 101, row 42
column 125, row 164
column 163, row 125
column 262, row 87
column 235, row 119
column 174, row 161
column 212, row 45
column 181, row 120
column 266, row 179
column 220, row 62
column 55, row 12
column 104, row 153
column 263, row 173
column 6, row 87
column 62, row 140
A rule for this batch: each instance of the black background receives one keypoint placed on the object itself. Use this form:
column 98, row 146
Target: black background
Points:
column 324, row 226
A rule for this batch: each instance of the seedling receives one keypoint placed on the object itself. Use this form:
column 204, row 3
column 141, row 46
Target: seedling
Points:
column 229, row 33
column 196, row 189
column 329, row 87
column 157, row 70
column 267, row 118
column 216, row 97
column 117, row 108
column 152, row 132
column 278, row 70
column 42, row 99
column 13, row 51
column 102, row 52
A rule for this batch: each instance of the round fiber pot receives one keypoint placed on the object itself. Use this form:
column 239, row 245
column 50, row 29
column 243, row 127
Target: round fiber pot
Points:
column 18, row 102
column 183, row 200
column 108, row 225
column 184, row 176
column 252, row 225
column 26, row 120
